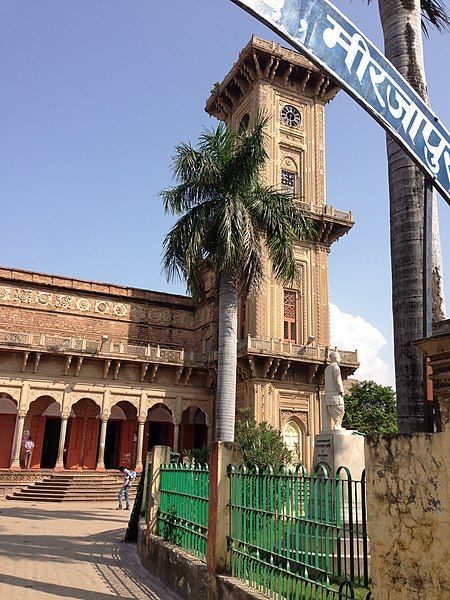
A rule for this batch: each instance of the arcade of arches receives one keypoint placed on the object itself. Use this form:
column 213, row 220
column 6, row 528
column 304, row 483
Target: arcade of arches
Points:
column 86, row 438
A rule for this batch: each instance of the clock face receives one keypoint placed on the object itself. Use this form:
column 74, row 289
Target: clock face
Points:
column 290, row 115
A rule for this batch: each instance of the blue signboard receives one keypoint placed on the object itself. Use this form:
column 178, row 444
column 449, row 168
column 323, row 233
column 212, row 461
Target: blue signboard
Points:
column 320, row 31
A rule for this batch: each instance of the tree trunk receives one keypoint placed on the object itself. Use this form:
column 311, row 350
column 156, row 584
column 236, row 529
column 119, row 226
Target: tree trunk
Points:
column 227, row 359
column 401, row 22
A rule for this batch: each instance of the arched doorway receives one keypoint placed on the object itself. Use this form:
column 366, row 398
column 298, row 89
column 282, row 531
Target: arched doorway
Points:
column 50, row 440
column 193, row 429
column 158, row 428
column 42, row 425
column 121, row 436
column 8, row 417
column 82, row 436
column 293, row 438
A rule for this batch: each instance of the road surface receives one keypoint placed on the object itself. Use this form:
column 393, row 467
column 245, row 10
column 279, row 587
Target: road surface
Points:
column 70, row 550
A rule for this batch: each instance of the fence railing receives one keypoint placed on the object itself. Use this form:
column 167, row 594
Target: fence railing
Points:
column 295, row 536
column 183, row 506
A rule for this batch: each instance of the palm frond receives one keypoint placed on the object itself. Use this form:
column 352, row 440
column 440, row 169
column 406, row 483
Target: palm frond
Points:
column 183, row 197
column 183, row 248
column 249, row 156
column 434, row 12
column 226, row 215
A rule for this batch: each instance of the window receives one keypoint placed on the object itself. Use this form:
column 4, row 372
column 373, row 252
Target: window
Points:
column 244, row 123
column 288, row 182
column 292, row 437
column 290, row 316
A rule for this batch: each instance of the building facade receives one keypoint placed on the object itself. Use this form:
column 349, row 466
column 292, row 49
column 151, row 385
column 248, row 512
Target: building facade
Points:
column 97, row 374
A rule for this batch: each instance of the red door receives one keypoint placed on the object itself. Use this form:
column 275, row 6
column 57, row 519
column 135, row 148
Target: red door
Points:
column 91, row 443
column 37, row 435
column 127, row 444
column 7, row 426
column 187, row 441
column 75, row 435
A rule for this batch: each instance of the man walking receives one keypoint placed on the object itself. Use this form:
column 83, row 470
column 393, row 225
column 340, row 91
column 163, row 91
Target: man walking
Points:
column 29, row 447
column 125, row 489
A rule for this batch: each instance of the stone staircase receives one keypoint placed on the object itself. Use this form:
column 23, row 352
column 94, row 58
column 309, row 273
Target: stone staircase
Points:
column 74, row 487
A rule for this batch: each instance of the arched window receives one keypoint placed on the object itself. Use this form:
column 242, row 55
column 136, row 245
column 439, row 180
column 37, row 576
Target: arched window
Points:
column 292, row 437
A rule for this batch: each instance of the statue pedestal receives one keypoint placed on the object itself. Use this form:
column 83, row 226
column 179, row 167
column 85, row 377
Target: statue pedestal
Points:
column 340, row 448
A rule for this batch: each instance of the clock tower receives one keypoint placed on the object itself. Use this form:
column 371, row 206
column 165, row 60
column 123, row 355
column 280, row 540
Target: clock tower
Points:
column 284, row 334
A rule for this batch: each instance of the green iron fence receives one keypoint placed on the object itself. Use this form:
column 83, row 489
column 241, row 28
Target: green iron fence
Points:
column 295, row 536
column 183, row 506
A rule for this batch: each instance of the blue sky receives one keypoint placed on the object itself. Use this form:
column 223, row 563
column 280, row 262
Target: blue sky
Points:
column 94, row 96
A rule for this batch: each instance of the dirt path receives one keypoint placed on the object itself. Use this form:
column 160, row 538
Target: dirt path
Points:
column 70, row 551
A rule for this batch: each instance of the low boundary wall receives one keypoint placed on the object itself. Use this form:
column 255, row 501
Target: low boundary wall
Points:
column 186, row 575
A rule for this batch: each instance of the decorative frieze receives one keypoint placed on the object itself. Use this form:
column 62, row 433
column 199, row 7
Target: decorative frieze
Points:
column 73, row 304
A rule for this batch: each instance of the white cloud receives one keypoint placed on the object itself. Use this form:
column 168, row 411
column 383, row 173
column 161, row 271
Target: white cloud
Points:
column 354, row 333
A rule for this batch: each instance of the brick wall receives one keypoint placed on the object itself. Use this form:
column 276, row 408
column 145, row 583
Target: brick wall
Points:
column 37, row 303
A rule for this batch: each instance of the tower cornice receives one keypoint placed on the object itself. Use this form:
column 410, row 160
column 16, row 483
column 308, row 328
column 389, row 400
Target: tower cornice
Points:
column 269, row 61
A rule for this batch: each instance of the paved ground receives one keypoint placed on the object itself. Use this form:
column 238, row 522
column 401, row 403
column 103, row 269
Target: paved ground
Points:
column 70, row 550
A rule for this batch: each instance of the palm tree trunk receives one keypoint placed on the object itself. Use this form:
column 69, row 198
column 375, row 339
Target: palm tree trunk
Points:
column 401, row 22
column 227, row 359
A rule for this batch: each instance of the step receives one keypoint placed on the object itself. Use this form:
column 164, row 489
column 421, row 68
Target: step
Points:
column 72, row 487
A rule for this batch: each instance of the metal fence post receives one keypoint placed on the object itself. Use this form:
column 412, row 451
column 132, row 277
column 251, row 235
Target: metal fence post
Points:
column 160, row 456
column 222, row 455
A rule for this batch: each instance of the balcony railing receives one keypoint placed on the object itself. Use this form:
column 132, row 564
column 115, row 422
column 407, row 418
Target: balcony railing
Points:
column 327, row 209
column 52, row 343
column 274, row 346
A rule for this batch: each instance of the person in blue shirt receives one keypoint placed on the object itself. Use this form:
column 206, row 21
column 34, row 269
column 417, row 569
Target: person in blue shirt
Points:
column 125, row 489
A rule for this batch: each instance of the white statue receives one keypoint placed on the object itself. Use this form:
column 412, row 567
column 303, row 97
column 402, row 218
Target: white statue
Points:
column 334, row 391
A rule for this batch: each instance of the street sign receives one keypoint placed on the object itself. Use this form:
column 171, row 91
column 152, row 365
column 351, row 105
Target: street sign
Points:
column 321, row 32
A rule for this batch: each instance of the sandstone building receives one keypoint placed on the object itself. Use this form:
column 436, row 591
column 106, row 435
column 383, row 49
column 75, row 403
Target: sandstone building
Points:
column 98, row 373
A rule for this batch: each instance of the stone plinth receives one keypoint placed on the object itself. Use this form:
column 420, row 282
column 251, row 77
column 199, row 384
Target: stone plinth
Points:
column 336, row 448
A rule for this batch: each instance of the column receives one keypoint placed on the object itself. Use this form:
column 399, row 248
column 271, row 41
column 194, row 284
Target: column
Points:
column 140, row 443
column 209, row 435
column 176, row 435
column 101, row 450
column 18, row 433
column 15, row 460
column 62, row 440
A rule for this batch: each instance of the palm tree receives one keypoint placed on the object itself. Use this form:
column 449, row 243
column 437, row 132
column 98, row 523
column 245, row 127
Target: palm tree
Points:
column 403, row 45
column 226, row 215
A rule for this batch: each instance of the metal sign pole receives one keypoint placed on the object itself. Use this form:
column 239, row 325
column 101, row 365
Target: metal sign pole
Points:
column 427, row 283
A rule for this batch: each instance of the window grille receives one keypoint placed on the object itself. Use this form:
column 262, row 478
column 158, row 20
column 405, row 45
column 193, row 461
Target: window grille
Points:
column 288, row 182
column 290, row 316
